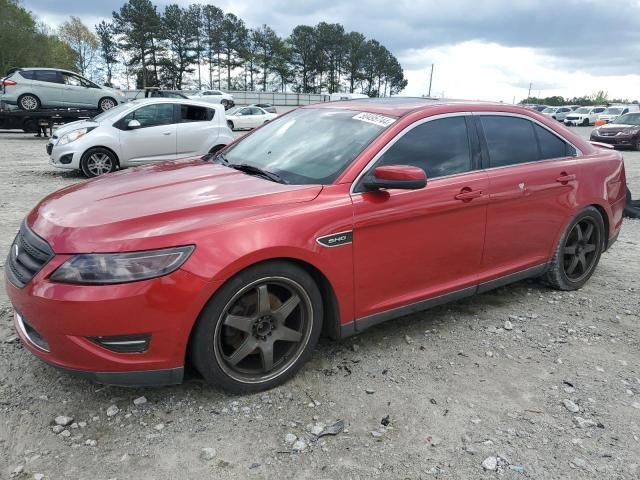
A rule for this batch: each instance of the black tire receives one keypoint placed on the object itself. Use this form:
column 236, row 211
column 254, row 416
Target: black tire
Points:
column 29, row 125
column 585, row 122
column 585, row 238
column 637, row 146
column 98, row 161
column 216, row 148
column 225, row 104
column 247, row 301
column 230, row 124
column 632, row 207
column 28, row 102
column 106, row 103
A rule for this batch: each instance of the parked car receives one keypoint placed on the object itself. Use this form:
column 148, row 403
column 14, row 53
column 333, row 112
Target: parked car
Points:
column 267, row 107
column 138, row 132
column 614, row 111
column 625, row 132
column 242, row 118
column 557, row 113
column 34, row 88
column 154, row 92
column 215, row 96
column 334, row 218
column 584, row 116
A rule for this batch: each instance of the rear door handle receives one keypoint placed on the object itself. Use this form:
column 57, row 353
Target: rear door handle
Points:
column 564, row 178
column 466, row 194
column 167, row 133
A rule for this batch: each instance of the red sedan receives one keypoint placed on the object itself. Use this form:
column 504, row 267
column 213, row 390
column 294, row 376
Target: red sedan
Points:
column 332, row 218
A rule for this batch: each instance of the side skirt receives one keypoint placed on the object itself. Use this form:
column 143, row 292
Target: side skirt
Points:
column 362, row 324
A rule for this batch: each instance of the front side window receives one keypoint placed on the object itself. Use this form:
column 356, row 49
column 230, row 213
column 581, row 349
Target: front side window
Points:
column 439, row 147
column 309, row 145
column 191, row 113
column 510, row 140
column 152, row 115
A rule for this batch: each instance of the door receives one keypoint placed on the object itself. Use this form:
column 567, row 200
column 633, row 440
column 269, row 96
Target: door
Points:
column 47, row 86
column 77, row 91
column 154, row 140
column 412, row 245
column 196, row 132
column 533, row 176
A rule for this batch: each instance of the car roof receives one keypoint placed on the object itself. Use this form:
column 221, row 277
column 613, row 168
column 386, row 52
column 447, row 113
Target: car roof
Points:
column 183, row 101
column 400, row 106
column 47, row 68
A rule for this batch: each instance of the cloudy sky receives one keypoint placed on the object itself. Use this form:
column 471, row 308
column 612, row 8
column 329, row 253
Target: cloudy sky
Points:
column 482, row 49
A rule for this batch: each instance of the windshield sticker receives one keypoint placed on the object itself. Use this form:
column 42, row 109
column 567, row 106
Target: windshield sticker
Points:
column 374, row 118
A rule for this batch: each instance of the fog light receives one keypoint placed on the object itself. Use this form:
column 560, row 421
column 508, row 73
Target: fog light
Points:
column 124, row 343
column 66, row 159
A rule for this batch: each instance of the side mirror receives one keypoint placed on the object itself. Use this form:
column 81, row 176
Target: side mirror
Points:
column 133, row 124
column 402, row 177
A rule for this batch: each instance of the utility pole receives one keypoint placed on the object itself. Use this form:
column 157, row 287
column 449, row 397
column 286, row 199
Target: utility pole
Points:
column 430, row 80
column 529, row 94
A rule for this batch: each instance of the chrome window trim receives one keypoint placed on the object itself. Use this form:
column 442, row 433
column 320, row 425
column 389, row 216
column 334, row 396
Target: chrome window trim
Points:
column 393, row 141
column 407, row 129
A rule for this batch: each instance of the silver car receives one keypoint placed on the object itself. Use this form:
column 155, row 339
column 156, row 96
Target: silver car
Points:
column 34, row 88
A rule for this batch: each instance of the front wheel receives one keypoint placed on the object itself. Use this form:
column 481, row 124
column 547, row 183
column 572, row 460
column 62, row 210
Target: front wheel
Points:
column 259, row 328
column 586, row 122
column 578, row 252
column 97, row 161
column 106, row 104
column 230, row 124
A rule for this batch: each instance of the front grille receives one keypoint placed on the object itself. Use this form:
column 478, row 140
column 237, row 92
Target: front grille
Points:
column 573, row 118
column 608, row 134
column 28, row 254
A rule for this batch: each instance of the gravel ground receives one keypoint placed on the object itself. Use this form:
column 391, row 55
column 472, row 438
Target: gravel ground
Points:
column 522, row 382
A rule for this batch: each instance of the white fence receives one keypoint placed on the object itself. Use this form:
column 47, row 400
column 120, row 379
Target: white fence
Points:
column 248, row 98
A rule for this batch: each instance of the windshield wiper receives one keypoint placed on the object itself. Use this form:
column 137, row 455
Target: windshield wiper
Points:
column 253, row 170
column 245, row 167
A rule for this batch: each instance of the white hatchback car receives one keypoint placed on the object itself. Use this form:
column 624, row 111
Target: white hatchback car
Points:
column 138, row 132
column 248, row 117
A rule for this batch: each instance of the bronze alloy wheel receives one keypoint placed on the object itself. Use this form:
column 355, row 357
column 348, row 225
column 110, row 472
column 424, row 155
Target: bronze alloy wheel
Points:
column 581, row 249
column 263, row 330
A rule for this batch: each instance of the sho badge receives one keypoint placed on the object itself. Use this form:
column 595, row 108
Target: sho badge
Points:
column 336, row 239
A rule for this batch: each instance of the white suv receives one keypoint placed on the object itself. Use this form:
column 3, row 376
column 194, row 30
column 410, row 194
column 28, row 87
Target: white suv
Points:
column 138, row 132
column 583, row 116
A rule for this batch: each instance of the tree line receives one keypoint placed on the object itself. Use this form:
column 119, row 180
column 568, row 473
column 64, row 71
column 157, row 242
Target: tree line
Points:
column 598, row 98
column 201, row 46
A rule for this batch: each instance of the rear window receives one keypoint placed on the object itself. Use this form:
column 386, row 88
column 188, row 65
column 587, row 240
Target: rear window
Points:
column 192, row 113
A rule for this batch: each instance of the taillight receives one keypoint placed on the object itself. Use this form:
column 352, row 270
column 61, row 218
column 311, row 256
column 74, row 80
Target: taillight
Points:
column 8, row 83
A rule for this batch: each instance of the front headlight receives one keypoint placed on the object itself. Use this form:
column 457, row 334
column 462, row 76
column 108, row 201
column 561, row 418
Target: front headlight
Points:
column 110, row 268
column 74, row 135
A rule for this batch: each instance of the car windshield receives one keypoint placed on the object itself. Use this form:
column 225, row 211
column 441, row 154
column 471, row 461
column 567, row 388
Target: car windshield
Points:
column 583, row 110
column 629, row 119
column 234, row 110
column 112, row 112
column 612, row 111
column 549, row 110
column 309, row 145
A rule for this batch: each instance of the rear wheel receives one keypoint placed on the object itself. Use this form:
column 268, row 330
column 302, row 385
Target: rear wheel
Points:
column 97, row 161
column 259, row 328
column 230, row 124
column 28, row 102
column 578, row 252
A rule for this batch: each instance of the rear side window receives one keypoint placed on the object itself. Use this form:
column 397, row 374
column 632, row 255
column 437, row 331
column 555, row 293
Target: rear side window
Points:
column 191, row 113
column 552, row 146
column 50, row 76
column 28, row 74
column 510, row 140
column 439, row 147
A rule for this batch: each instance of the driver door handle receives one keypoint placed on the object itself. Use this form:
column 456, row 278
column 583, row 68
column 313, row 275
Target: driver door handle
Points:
column 564, row 178
column 167, row 133
column 466, row 194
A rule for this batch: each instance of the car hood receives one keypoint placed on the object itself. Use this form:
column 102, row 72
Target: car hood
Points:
column 71, row 126
column 617, row 127
column 158, row 205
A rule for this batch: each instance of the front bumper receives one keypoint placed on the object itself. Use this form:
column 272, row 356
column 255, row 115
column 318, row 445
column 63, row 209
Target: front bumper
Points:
column 618, row 140
column 63, row 156
column 64, row 320
column 577, row 122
